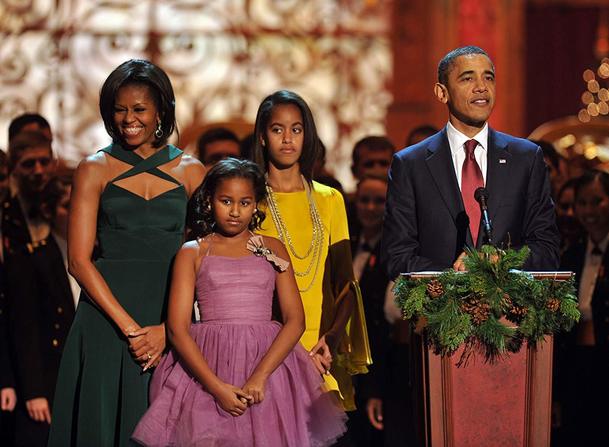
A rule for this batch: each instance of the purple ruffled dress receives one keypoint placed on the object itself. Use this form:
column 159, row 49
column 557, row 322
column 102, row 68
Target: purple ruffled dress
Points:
column 235, row 298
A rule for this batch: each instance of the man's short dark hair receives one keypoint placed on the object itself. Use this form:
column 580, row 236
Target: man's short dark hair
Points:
column 22, row 142
column 18, row 123
column 375, row 143
column 212, row 135
column 447, row 61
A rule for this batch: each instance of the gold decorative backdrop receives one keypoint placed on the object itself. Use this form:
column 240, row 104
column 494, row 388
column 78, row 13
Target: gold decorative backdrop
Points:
column 223, row 57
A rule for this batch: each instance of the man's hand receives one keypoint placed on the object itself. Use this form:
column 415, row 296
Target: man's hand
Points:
column 458, row 265
column 8, row 399
column 374, row 408
column 38, row 409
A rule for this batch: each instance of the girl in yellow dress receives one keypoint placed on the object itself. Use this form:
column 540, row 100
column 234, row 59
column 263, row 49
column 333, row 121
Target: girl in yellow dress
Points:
column 310, row 219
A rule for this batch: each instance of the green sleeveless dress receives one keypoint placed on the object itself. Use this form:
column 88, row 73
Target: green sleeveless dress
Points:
column 101, row 391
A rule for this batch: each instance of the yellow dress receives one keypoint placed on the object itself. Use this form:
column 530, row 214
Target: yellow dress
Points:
column 326, row 283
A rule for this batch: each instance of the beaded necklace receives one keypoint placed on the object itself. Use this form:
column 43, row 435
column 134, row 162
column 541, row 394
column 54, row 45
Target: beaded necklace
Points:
column 317, row 238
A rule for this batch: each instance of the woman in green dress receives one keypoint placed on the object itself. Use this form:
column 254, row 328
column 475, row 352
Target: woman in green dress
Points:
column 131, row 197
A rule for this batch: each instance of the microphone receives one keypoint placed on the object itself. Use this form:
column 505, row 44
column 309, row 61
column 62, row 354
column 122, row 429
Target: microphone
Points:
column 481, row 196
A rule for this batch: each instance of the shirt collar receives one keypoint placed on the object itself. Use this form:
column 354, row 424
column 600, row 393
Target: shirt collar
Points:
column 456, row 139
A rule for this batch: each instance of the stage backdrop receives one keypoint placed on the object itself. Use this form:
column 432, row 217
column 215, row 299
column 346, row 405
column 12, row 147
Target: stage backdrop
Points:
column 223, row 57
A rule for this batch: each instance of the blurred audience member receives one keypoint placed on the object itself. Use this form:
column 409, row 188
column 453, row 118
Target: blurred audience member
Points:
column 371, row 155
column 321, row 174
column 583, row 358
column 41, row 306
column 216, row 144
column 555, row 163
column 420, row 133
column 568, row 225
column 8, row 396
column 384, row 414
column 29, row 122
column 247, row 146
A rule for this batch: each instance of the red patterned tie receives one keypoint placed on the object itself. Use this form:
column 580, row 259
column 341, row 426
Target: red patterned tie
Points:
column 471, row 179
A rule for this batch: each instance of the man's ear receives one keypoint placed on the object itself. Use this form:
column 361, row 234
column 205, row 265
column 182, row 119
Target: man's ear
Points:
column 441, row 92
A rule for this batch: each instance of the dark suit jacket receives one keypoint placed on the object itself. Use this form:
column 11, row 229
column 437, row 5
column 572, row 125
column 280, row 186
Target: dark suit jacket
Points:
column 373, row 283
column 426, row 227
column 573, row 260
column 40, row 304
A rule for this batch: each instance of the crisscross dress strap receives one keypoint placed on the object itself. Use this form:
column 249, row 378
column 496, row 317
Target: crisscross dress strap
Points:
column 139, row 164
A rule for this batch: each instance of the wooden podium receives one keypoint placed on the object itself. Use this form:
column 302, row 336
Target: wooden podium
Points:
column 507, row 403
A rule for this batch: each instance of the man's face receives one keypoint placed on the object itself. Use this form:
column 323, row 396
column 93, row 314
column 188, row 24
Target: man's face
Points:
column 372, row 162
column 469, row 92
column 34, row 169
column 370, row 203
column 219, row 150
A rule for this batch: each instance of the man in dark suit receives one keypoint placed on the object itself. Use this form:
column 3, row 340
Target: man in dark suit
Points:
column 40, row 301
column 431, row 214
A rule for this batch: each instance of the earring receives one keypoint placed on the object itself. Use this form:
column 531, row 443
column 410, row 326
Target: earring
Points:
column 208, row 207
column 158, row 132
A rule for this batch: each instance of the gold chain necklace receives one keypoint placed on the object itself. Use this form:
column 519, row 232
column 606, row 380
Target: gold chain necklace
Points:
column 317, row 238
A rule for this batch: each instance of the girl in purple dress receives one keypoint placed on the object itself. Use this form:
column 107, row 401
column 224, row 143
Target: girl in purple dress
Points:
column 236, row 378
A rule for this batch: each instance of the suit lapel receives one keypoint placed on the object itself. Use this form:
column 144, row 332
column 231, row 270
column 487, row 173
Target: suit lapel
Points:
column 498, row 167
column 440, row 164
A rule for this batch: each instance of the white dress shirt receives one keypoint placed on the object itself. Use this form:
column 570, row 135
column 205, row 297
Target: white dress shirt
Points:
column 456, row 140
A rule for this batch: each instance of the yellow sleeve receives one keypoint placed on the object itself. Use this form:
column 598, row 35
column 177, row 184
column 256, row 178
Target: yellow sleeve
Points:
column 353, row 356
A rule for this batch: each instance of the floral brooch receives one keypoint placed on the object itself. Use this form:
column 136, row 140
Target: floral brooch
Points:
column 256, row 245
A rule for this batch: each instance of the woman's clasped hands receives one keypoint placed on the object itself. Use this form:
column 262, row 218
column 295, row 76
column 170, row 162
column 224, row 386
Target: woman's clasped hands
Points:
column 147, row 345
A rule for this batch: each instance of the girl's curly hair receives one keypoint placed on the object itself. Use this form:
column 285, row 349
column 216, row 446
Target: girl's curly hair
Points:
column 201, row 216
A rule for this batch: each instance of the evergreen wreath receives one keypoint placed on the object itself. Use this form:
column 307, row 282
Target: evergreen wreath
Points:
column 492, row 308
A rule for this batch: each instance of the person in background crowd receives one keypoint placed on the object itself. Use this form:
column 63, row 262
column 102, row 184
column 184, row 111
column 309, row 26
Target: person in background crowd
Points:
column 371, row 156
column 321, row 174
column 383, row 397
column 8, row 395
column 216, row 144
column 581, row 386
column 569, row 227
column 30, row 122
column 130, row 196
column 420, row 133
column 247, row 146
column 41, row 306
column 555, row 163
column 310, row 220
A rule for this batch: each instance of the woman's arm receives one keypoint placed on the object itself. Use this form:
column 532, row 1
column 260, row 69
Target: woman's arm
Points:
column 292, row 313
column 82, row 228
column 230, row 398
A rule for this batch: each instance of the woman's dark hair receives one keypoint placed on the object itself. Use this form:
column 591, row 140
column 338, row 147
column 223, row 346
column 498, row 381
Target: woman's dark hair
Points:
column 590, row 177
column 201, row 221
column 310, row 146
column 142, row 72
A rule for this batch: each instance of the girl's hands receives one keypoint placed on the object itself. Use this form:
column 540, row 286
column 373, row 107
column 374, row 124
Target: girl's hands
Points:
column 321, row 353
column 255, row 388
column 147, row 345
column 231, row 399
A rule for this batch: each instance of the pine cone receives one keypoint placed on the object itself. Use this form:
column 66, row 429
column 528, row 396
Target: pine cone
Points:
column 477, row 309
column 516, row 313
column 435, row 289
column 553, row 304
column 506, row 301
